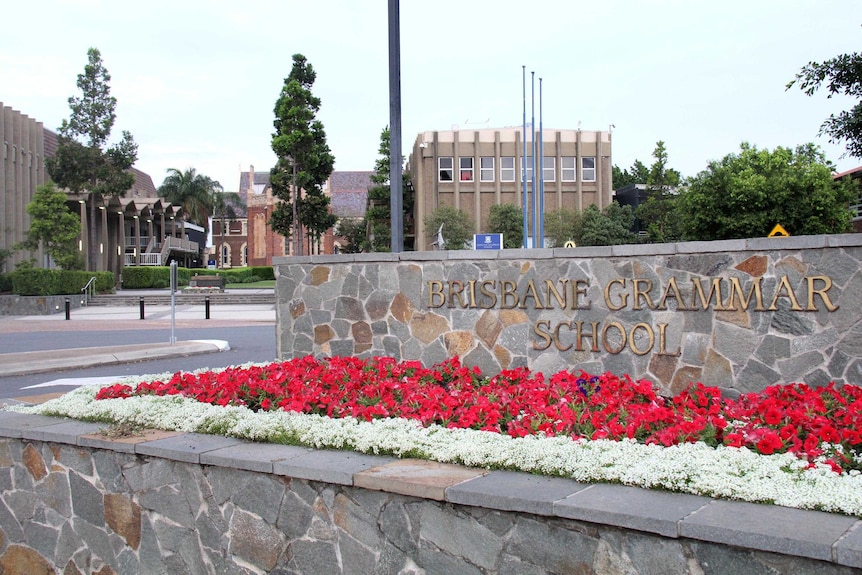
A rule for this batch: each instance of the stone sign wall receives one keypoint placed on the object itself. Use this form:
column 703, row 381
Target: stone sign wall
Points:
column 739, row 314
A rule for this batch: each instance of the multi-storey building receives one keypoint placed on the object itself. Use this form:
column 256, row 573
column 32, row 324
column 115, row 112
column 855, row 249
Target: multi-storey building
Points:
column 138, row 228
column 473, row 170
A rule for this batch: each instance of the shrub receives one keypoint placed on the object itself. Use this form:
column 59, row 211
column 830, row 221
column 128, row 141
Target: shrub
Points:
column 153, row 277
column 39, row 281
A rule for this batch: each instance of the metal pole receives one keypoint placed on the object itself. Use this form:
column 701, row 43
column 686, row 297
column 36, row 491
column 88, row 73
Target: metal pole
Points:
column 533, row 139
column 173, row 300
column 207, row 307
column 141, row 306
column 396, row 200
column 524, row 157
column 68, row 309
column 541, row 174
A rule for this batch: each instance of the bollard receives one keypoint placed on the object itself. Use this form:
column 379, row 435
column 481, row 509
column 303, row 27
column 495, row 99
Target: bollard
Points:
column 207, row 307
column 68, row 309
column 141, row 303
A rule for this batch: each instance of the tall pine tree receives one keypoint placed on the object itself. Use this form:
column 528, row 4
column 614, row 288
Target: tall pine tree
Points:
column 82, row 163
column 304, row 159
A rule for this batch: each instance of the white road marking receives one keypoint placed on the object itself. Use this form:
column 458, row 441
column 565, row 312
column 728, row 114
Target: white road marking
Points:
column 78, row 381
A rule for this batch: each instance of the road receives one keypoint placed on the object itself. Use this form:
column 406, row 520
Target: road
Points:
column 248, row 343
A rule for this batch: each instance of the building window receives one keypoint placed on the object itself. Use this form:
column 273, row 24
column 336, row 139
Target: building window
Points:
column 529, row 169
column 225, row 255
column 567, row 169
column 445, row 168
column 588, row 169
column 465, row 166
column 486, row 169
column 549, row 168
column 507, row 169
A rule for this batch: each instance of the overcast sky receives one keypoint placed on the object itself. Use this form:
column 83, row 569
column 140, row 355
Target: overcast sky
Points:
column 196, row 81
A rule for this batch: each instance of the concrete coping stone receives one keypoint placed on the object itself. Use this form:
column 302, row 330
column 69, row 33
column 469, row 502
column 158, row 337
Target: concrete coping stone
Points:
column 843, row 240
column 814, row 534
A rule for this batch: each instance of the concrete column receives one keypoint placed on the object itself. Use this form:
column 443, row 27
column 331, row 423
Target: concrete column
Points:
column 137, row 240
column 104, row 247
column 579, row 174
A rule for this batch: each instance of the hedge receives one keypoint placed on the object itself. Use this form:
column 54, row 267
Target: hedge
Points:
column 5, row 283
column 39, row 281
column 149, row 277
column 241, row 275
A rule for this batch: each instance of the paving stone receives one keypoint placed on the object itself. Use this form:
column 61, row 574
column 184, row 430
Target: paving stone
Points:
column 186, row 447
column 848, row 550
column 511, row 491
column 768, row 528
column 251, row 456
column 415, row 477
column 123, row 444
column 64, row 432
column 13, row 423
column 631, row 508
column 336, row 467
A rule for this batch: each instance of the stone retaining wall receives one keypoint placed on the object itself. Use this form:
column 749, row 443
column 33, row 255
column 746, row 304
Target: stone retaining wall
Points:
column 739, row 314
column 38, row 305
column 76, row 501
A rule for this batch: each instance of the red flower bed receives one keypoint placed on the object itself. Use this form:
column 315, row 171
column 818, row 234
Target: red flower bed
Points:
column 814, row 423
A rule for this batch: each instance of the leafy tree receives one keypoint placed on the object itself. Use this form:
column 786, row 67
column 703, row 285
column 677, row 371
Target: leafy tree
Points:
column 54, row 226
column 842, row 75
column 746, row 194
column 196, row 193
column 458, row 227
column 507, row 219
column 82, row 164
column 304, row 159
column 657, row 214
column 609, row 227
column 562, row 226
column 354, row 231
column 378, row 213
column 638, row 174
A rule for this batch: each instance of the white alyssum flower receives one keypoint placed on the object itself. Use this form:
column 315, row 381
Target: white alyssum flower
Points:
column 724, row 472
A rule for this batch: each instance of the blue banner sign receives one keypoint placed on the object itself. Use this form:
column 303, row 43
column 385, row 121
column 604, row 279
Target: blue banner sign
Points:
column 487, row 241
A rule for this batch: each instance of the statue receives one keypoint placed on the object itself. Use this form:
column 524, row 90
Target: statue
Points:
column 439, row 242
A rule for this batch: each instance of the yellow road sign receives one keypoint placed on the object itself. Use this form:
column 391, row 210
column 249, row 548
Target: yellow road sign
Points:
column 570, row 244
column 778, row 230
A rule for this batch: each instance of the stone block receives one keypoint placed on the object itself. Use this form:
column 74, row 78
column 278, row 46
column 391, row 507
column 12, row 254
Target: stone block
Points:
column 511, row 491
column 415, row 477
column 186, row 447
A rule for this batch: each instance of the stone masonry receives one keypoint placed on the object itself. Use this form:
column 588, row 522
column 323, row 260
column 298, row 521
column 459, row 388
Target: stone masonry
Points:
column 77, row 501
column 781, row 310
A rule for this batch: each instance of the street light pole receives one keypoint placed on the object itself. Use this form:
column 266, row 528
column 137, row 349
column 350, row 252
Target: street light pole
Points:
column 396, row 210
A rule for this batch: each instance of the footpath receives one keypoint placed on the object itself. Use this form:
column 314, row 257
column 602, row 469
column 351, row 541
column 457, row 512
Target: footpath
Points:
column 95, row 318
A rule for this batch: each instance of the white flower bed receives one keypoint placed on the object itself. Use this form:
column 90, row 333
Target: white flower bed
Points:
column 724, row 472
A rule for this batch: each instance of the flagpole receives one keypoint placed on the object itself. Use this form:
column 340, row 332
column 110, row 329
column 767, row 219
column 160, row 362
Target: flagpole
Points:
column 541, row 174
column 524, row 157
column 533, row 139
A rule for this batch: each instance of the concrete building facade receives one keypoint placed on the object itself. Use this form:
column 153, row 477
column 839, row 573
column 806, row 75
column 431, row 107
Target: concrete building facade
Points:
column 473, row 170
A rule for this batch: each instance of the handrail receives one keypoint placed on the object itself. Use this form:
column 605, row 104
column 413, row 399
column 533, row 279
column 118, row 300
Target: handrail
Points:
column 89, row 290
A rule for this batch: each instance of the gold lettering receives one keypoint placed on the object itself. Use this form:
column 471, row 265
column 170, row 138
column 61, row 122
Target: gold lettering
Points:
column 821, row 292
column 488, row 293
column 435, row 288
column 594, row 336
column 508, row 290
column 672, row 287
column 641, row 293
column 662, row 341
column 784, row 284
column 579, row 288
column 544, row 334
column 650, row 334
column 551, row 289
column 714, row 292
column 736, row 293
column 624, row 298
column 531, row 292
column 557, row 336
column 472, row 284
column 605, row 341
column 456, row 290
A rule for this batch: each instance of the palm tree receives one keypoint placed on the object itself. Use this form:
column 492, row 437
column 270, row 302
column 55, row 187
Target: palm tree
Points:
column 194, row 192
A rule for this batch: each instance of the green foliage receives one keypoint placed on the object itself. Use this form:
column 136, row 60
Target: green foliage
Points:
column 353, row 230
column 638, row 174
column 304, row 159
column 240, row 275
column 149, row 277
column 458, row 227
column 378, row 213
column 54, row 226
column 658, row 214
column 507, row 219
column 842, row 75
column 609, row 227
column 196, row 193
column 40, row 281
column 562, row 226
column 746, row 194
column 5, row 283
column 81, row 163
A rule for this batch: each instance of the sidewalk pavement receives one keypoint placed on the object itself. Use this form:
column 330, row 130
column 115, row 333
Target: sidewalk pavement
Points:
column 104, row 317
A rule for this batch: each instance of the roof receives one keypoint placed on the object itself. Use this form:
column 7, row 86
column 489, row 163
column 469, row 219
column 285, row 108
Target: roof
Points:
column 349, row 181
column 143, row 186
column 260, row 179
column 855, row 172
